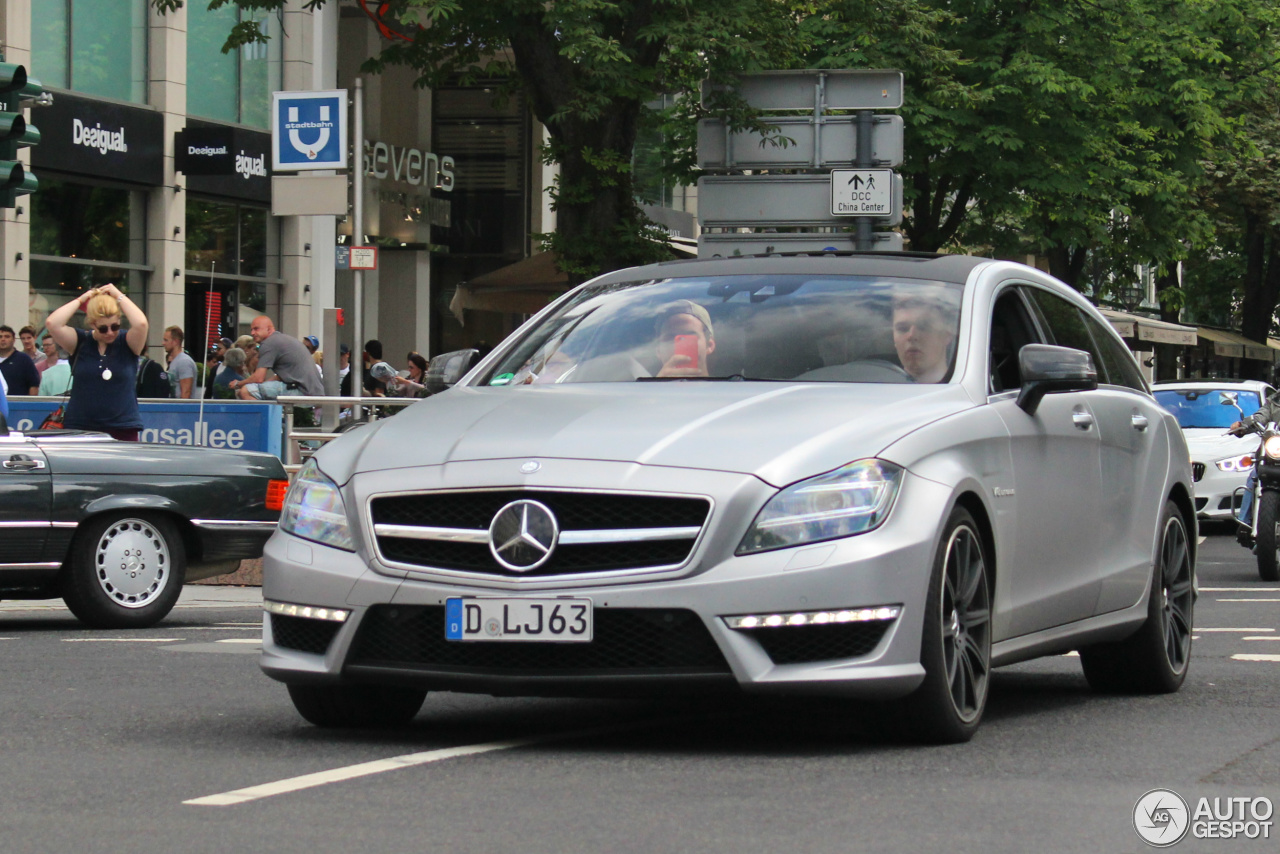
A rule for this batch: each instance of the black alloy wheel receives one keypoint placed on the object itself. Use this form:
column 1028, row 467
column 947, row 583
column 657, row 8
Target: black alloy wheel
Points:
column 1155, row 658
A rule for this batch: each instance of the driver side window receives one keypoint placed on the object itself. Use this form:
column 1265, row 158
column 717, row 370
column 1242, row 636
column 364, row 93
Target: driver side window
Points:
column 1010, row 331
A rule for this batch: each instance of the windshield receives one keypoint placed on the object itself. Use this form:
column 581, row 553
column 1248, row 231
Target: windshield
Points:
column 1199, row 407
column 778, row 327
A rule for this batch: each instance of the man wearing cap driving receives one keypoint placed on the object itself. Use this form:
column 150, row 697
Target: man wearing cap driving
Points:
column 683, row 317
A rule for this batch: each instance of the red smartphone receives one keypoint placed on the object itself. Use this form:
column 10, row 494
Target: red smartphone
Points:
column 687, row 345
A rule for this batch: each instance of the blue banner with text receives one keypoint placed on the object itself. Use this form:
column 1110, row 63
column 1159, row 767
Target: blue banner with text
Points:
column 225, row 424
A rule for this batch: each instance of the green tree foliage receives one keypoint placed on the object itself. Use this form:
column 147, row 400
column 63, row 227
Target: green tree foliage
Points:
column 1052, row 128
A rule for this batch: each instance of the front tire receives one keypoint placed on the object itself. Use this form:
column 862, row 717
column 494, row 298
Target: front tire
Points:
column 1154, row 659
column 357, row 706
column 1268, row 541
column 125, row 570
column 955, row 647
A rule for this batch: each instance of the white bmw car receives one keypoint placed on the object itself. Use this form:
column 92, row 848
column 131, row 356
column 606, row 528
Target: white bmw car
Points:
column 1219, row 462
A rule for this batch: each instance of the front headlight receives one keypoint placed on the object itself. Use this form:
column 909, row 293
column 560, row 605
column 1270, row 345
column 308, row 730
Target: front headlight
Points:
column 1244, row 462
column 852, row 499
column 1271, row 447
column 314, row 510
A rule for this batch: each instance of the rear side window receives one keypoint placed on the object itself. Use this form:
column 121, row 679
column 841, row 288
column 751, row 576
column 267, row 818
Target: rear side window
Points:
column 1066, row 324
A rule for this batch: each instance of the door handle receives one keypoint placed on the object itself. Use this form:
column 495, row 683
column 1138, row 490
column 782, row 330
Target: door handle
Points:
column 1139, row 422
column 1083, row 420
column 20, row 464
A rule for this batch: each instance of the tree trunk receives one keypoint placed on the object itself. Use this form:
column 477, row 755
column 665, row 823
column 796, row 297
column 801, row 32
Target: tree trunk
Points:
column 1261, row 292
column 1067, row 263
column 1167, row 354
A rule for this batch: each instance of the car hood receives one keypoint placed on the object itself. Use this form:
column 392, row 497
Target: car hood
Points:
column 1213, row 444
column 777, row 432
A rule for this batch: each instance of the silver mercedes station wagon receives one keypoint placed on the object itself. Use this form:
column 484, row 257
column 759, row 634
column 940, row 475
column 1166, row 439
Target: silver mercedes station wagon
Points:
column 863, row 476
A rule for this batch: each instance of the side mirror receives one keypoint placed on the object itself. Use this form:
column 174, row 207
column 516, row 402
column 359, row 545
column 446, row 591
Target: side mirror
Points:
column 1053, row 370
column 447, row 368
column 1231, row 398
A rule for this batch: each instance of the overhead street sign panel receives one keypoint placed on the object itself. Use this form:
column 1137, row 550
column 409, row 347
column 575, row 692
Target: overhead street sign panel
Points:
column 730, row 244
column 733, row 201
column 842, row 89
column 829, row 144
column 862, row 192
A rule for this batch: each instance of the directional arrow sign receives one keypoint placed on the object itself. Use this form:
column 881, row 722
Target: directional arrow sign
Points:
column 862, row 192
column 733, row 201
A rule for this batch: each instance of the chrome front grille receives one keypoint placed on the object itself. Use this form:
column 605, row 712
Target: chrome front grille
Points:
column 598, row 531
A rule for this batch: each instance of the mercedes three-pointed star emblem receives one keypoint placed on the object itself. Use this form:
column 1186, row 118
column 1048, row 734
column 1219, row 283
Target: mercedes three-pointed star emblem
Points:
column 523, row 535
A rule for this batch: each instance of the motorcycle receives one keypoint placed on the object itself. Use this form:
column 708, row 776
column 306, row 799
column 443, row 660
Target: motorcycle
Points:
column 1260, row 530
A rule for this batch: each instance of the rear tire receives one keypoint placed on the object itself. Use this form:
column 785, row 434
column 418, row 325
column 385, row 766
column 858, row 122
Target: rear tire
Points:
column 955, row 646
column 1154, row 659
column 357, row 706
column 1268, row 541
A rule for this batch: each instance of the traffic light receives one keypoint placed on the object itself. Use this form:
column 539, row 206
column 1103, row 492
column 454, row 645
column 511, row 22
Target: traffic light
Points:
column 15, row 133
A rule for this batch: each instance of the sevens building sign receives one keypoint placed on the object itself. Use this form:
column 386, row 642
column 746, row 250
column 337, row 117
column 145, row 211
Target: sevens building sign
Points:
column 309, row 130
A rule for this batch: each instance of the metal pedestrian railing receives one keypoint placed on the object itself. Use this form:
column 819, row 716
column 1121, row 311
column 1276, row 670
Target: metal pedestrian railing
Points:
column 336, row 415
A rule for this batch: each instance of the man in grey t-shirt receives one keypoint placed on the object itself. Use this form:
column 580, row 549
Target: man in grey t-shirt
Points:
column 182, row 368
column 295, row 371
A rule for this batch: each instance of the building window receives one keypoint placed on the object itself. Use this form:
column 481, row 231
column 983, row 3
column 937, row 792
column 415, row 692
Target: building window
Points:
column 82, row 236
column 231, row 262
column 235, row 86
column 97, row 47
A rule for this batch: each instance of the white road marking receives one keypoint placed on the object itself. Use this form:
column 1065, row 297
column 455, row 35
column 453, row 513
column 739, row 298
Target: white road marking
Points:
column 395, row 763
column 1246, row 631
column 1072, row 654
column 121, row 640
column 239, row 640
column 1246, row 600
column 1264, row 637
column 1255, row 656
column 1200, row 540
column 1240, row 589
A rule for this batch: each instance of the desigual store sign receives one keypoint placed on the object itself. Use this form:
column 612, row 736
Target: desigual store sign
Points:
column 225, row 161
column 100, row 139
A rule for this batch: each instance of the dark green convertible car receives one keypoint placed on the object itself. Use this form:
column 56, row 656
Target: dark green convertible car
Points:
column 116, row 528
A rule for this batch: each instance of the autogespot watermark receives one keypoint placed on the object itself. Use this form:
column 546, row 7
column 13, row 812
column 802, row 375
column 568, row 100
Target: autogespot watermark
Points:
column 1163, row 818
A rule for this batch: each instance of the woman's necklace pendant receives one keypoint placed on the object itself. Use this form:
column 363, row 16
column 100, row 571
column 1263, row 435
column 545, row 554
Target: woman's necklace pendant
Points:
column 106, row 373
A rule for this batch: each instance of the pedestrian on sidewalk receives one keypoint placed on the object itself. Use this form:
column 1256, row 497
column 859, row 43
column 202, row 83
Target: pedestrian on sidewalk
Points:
column 103, row 392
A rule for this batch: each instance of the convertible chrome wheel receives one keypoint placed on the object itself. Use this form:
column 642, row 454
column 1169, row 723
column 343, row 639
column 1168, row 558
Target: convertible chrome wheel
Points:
column 132, row 563
column 1154, row 659
column 966, row 630
column 125, row 570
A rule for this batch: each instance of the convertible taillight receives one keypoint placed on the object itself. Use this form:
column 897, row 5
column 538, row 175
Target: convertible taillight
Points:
column 276, row 490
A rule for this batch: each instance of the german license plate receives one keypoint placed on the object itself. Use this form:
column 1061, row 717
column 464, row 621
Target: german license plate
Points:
column 479, row 619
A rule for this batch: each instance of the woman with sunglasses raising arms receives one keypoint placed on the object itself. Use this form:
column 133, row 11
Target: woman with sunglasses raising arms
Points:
column 104, row 362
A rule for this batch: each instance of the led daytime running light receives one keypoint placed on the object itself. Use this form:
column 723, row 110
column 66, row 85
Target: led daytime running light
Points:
column 308, row 612
column 879, row 614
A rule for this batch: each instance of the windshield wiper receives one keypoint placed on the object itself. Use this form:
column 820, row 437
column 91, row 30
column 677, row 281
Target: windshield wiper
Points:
column 731, row 378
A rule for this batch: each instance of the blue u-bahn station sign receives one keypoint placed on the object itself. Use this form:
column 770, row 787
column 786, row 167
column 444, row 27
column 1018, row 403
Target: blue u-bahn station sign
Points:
column 244, row 426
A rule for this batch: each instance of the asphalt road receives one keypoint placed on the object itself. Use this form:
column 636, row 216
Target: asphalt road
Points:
column 106, row 737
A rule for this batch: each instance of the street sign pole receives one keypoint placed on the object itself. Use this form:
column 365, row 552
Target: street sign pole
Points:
column 357, row 239
column 865, row 239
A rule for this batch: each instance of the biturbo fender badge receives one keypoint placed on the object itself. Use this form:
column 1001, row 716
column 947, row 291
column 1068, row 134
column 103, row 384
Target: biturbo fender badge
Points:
column 523, row 534
column 1000, row 492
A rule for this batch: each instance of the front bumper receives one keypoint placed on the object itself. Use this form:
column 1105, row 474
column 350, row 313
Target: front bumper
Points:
column 394, row 635
column 1215, row 489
